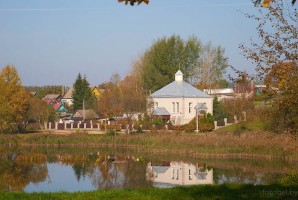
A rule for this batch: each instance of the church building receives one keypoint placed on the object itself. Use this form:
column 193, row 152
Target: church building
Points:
column 181, row 101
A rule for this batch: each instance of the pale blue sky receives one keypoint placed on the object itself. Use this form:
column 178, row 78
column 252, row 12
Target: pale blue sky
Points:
column 51, row 41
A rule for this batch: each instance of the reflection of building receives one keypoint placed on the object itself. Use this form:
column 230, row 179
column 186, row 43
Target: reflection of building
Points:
column 178, row 173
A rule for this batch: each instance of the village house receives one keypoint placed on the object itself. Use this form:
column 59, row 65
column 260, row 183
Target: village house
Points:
column 85, row 115
column 68, row 100
column 181, row 101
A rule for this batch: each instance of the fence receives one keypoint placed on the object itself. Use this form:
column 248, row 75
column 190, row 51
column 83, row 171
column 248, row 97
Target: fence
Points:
column 228, row 121
column 128, row 128
column 71, row 126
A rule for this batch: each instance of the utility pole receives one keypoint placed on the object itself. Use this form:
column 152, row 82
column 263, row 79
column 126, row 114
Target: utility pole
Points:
column 83, row 110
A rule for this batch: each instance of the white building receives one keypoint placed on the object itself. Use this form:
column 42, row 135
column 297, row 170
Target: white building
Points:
column 225, row 93
column 178, row 173
column 180, row 99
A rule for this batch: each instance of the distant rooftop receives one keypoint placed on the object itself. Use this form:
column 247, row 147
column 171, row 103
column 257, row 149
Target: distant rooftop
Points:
column 51, row 96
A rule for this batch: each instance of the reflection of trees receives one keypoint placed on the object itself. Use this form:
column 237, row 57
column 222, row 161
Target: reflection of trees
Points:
column 107, row 174
column 17, row 171
column 119, row 172
column 81, row 164
column 243, row 176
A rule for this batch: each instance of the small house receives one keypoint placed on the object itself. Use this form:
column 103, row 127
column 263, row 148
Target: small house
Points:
column 85, row 115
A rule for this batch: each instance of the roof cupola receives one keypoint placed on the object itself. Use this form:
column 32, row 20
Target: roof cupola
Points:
column 179, row 76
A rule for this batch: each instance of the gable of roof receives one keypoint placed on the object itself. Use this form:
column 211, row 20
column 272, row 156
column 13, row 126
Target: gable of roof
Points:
column 89, row 114
column 95, row 91
column 179, row 89
column 68, row 94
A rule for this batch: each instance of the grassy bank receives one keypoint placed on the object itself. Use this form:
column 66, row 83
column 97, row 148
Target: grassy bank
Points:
column 230, row 191
column 246, row 144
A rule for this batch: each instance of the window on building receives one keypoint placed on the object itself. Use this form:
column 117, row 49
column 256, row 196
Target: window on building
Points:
column 177, row 107
column 177, row 174
column 156, row 104
column 173, row 177
column 189, row 175
column 173, row 107
column 189, row 107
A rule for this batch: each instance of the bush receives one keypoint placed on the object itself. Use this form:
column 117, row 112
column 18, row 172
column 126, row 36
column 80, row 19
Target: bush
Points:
column 157, row 121
column 289, row 179
column 206, row 123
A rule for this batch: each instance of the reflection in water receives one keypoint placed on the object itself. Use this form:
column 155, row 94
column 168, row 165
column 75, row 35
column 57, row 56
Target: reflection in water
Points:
column 179, row 173
column 73, row 171
column 18, row 170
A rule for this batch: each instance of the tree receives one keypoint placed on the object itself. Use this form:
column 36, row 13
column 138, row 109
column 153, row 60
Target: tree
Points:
column 44, row 90
column 133, row 96
column 264, row 3
column 165, row 57
column 210, row 67
column 13, row 101
column 202, row 65
column 277, row 31
column 39, row 112
column 276, row 55
column 283, row 79
column 110, row 105
column 218, row 112
column 82, row 93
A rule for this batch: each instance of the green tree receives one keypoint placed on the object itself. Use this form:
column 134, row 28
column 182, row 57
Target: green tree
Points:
column 82, row 93
column 13, row 101
column 218, row 112
column 163, row 59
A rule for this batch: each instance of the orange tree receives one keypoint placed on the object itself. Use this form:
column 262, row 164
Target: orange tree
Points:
column 283, row 80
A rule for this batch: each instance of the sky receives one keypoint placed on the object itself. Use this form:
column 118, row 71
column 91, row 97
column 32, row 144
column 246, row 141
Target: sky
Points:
column 51, row 41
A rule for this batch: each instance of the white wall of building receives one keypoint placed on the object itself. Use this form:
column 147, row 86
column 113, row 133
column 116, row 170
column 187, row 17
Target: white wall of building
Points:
column 183, row 107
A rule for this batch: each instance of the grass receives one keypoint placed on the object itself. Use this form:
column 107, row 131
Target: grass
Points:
column 226, row 191
column 252, row 125
column 219, row 142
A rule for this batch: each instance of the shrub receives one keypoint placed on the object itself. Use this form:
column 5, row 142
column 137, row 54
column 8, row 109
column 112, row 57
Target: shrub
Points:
column 289, row 179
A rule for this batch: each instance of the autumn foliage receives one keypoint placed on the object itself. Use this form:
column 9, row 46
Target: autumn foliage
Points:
column 132, row 2
column 13, row 100
column 276, row 58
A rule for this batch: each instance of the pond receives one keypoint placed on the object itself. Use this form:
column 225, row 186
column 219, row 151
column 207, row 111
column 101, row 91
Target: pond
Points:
column 71, row 170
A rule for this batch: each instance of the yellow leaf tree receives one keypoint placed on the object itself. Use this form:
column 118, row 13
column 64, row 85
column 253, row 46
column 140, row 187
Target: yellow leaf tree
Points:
column 13, row 101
